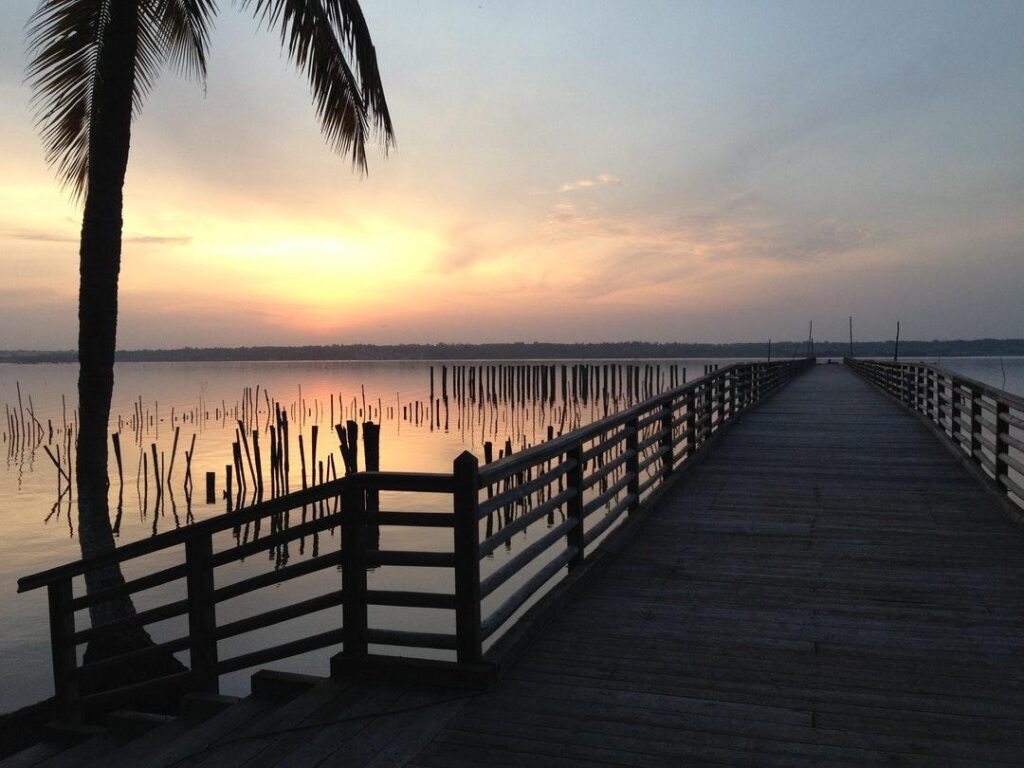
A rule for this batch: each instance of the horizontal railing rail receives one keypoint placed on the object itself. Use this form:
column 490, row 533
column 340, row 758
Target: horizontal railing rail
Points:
column 985, row 424
column 574, row 488
column 195, row 576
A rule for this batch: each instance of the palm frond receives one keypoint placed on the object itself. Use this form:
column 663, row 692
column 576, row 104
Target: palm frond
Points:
column 348, row 17
column 65, row 39
column 321, row 36
column 185, row 27
column 178, row 30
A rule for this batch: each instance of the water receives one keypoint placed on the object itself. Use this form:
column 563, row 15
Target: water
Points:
column 205, row 400
column 1005, row 373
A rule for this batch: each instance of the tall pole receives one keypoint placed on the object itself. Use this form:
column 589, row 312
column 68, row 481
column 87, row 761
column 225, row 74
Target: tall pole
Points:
column 810, row 336
column 896, row 352
column 851, row 335
column 769, row 350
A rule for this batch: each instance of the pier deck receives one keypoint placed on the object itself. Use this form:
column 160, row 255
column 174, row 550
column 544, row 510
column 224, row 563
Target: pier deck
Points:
column 829, row 587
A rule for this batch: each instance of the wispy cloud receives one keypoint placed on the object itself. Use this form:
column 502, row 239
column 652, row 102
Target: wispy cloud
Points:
column 36, row 236
column 624, row 254
column 159, row 240
column 601, row 180
column 40, row 236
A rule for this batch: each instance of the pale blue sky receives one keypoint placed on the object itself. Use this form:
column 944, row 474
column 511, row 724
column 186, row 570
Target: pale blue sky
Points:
column 564, row 171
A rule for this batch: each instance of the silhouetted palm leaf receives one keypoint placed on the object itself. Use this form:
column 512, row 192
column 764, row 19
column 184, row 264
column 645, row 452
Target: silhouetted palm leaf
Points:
column 66, row 37
column 321, row 36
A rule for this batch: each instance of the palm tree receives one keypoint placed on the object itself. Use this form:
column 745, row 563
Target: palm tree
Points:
column 93, row 63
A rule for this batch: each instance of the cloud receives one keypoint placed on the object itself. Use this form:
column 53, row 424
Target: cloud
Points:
column 40, row 236
column 35, row 236
column 620, row 255
column 602, row 180
column 158, row 240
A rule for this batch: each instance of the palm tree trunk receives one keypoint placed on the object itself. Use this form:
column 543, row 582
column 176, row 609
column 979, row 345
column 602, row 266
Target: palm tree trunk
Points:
column 100, row 264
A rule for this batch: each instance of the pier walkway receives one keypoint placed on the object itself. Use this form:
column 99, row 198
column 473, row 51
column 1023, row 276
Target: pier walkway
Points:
column 829, row 587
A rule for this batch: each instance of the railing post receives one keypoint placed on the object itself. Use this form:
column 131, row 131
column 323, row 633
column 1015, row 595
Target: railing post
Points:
column 633, row 462
column 371, row 449
column 202, row 613
column 62, row 646
column 574, row 507
column 691, row 422
column 932, row 395
column 353, row 569
column 730, row 379
column 920, row 405
column 1002, row 431
column 665, row 444
column 720, row 399
column 708, row 407
column 954, row 412
column 975, row 425
column 466, row 505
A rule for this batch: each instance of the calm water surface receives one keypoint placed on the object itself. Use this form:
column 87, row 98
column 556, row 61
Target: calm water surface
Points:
column 1001, row 372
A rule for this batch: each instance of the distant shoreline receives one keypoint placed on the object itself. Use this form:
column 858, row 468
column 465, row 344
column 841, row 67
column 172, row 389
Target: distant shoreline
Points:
column 539, row 351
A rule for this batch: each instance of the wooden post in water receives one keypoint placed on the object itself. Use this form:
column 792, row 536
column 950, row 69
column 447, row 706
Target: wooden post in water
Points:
column 211, row 487
column 174, row 452
column 258, row 460
column 469, row 638
column 312, row 453
column 116, row 439
column 896, row 351
column 158, row 479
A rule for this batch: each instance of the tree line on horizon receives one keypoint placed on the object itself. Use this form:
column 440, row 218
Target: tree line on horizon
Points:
column 543, row 351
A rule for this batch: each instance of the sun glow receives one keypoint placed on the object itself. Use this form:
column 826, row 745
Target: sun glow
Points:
column 308, row 270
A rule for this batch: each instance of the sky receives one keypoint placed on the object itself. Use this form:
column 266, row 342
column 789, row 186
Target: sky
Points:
column 564, row 171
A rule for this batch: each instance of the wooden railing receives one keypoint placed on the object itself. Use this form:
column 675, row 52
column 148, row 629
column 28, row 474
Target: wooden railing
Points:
column 984, row 423
column 576, row 487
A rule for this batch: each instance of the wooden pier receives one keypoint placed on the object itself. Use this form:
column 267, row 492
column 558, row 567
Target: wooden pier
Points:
column 828, row 586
